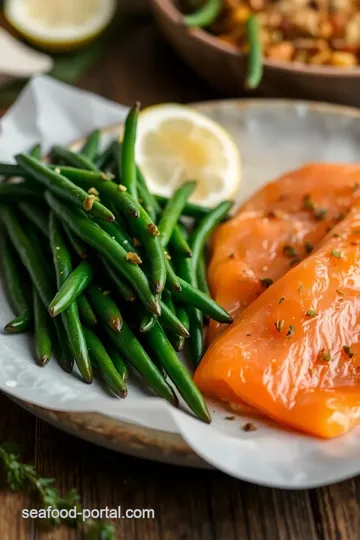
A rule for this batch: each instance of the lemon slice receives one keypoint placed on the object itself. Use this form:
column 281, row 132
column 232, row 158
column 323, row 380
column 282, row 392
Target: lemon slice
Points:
column 59, row 25
column 176, row 143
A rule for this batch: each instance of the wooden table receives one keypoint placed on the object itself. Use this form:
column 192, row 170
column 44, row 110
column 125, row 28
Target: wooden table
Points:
column 188, row 504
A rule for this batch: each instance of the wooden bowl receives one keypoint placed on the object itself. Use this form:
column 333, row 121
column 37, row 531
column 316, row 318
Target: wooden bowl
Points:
column 223, row 65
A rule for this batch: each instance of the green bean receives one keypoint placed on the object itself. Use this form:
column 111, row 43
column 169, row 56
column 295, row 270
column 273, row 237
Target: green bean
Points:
column 35, row 151
column 206, row 15
column 130, row 347
column 105, row 157
column 91, row 145
column 8, row 169
column 16, row 192
column 147, row 322
column 116, row 231
column 145, row 200
column 98, row 239
column 71, row 288
column 193, row 297
column 140, row 223
column 190, row 209
column 179, row 375
column 70, row 317
column 201, row 276
column 116, row 357
column 128, row 165
column 77, row 244
column 177, row 341
column 35, row 263
column 172, row 280
column 14, row 287
column 169, row 319
column 37, row 216
column 62, row 187
column 203, row 231
column 86, row 312
column 110, row 314
column 255, row 66
column 196, row 323
column 125, row 290
column 42, row 325
column 173, row 210
column 179, row 243
column 73, row 159
column 103, row 362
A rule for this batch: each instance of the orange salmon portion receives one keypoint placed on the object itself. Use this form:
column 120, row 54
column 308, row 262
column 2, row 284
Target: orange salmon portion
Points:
column 275, row 230
column 294, row 353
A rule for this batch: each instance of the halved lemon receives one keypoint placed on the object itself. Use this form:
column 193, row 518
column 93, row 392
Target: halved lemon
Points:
column 176, row 143
column 59, row 25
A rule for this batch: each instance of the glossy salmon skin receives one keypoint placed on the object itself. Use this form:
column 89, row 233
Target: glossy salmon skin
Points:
column 276, row 229
column 294, row 353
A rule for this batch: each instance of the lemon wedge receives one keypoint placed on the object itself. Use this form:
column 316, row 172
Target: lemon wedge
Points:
column 176, row 143
column 59, row 25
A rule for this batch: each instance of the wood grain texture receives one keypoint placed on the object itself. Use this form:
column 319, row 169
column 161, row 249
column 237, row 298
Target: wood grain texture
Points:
column 189, row 504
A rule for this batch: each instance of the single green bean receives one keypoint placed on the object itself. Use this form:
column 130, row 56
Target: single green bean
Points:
column 161, row 348
column 125, row 290
column 116, row 357
column 147, row 322
column 71, row 288
column 35, row 151
column 14, row 286
column 116, row 231
column 91, row 233
column 42, row 329
column 196, row 323
column 173, row 210
column 86, row 312
column 169, row 319
column 90, row 148
column 191, row 296
column 105, row 157
column 80, row 248
column 177, row 341
column 202, row 233
column 190, row 209
column 110, row 313
column 17, row 192
column 138, row 220
column 101, row 360
column 130, row 347
column 128, row 165
column 179, row 243
column 75, row 160
column 37, row 216
column 201, row 276
column 255, row 63
column 9, row 169
column 206, row 15
column 172, row 280
column 145, row 200
column 70, row 317
column 62, row 187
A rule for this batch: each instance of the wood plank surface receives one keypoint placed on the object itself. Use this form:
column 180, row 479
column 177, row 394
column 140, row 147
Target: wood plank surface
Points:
column 189, row 504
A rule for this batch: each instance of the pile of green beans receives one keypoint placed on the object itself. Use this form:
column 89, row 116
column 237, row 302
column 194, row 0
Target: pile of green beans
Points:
column 104, row 271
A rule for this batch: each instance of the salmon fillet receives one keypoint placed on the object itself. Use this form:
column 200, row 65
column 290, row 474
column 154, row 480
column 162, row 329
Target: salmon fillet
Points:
column 294, row 353
column 275, row 230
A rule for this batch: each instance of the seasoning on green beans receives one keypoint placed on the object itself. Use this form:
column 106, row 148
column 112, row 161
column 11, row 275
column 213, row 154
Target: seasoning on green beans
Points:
column 91, row 146
column 98, row 239
column 128, row 165
column 42, row 331
column 102, row 361
column 71, row 288
column 70, row 317
column 62, row 187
